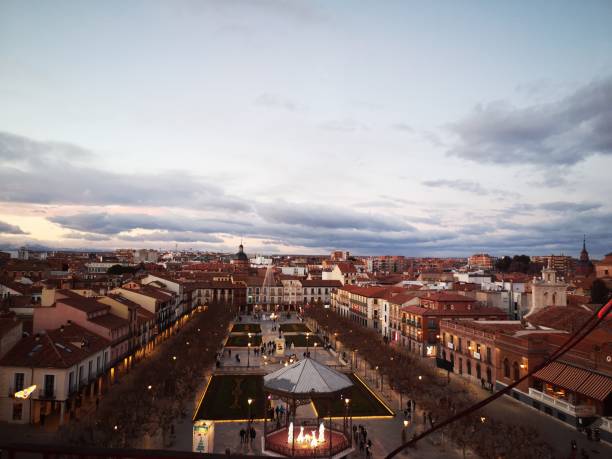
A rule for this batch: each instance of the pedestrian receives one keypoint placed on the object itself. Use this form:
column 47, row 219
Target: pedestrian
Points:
column 242, row 433
column 229, row 352
column 361, row 445
column 253, row 433
column 365, row 434
column 369, row 448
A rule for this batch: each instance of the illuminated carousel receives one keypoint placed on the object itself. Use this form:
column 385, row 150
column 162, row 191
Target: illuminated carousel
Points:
column 300, row 384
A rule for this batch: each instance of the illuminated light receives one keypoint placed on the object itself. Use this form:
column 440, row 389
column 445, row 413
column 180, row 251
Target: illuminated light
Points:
column 249, row 401
column 25, row 393
column 522, row 365
column 347, row 401
column 405, row 422
column 149, row 387
column 482, row 419
column 420, row 377
column 174, row 357
column 116, row 427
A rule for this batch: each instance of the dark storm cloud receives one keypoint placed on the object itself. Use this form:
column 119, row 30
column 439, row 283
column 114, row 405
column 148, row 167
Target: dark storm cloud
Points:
column 39, row 172
column 560, row 133
column 7, row 228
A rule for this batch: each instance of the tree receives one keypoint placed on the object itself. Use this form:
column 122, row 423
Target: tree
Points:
column 503, row 264
column 599, row 292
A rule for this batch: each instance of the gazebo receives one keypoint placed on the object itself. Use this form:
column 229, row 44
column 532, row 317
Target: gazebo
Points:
column 299, row 384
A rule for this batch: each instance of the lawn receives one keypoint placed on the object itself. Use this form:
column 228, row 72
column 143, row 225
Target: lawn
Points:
column 300, row 341
column 246, row 328
column 243, row 341
column 363, row 403
column 226, row 398
column 295, row 328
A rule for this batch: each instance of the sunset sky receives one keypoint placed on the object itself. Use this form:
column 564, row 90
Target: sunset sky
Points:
column 412, row 128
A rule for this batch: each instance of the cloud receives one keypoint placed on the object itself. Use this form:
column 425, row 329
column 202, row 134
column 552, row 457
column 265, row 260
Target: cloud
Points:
column 172, row 236
column 85, row 236
column 7, row 228
column 569, row 207
column 274, row 101
column 469, row 186
column 560, row 133
column 346, row 125
column 115, row 223
column 45, row 176
column 403, row 127
column 316, row 216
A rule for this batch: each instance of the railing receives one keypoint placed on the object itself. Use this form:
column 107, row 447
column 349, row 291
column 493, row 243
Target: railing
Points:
column 574, row 410
column 605, row 424
column 338, row 443
column 44, row 394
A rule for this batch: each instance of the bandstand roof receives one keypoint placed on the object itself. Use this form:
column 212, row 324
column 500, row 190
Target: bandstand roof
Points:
column 308, row 378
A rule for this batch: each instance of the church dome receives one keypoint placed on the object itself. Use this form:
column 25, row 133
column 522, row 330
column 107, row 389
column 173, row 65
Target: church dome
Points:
column 241, row 256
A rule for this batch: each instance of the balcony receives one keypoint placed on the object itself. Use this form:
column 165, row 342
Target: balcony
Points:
column 46, row 394
column 562, row 405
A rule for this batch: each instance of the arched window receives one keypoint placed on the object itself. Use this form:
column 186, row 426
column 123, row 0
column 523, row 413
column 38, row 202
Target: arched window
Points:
column 516, row 371
column 489, row 374
column 554, row 299
column 478, row 371
column 506, row 368
column 469, row 367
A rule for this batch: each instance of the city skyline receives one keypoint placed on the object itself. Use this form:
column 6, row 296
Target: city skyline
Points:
column 302, row 127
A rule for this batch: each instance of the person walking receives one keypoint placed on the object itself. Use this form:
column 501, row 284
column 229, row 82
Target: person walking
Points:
column 242, row 434
column 253, row 433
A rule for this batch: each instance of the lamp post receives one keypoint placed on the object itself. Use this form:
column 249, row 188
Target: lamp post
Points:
column 249, row 355
column 347, row 428
column 249, row 401
column 336, row 341
column 307, row 338
column 315, row 350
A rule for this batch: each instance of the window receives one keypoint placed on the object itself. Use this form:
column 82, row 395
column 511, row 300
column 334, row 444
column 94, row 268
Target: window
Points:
column 71, row 381
column 489, row 375
column 98, row 365
column 469, row 367
column 478, row 371
column 506, row 368
column 517, row 373
column 459, row 346
column 17, row 411
column 90, row 369
column 460, row 366
column 488, row 355
column 19, row 380
column 49, row 385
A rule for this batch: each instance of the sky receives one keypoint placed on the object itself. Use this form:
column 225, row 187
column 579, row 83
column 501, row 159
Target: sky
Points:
column 412, row 128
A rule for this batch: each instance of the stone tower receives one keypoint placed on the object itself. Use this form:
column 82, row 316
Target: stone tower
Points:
column 547, row 291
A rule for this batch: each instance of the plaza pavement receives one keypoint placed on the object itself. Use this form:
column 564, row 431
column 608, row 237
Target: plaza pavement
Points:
column 384, row 433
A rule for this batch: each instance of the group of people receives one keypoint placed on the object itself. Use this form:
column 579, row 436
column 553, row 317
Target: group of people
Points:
column 360, row 436
column 247, row 435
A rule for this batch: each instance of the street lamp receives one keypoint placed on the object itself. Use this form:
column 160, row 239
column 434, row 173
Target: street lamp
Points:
column 315, row 350
column 249, row 356
column 249, row 401
column 307, row 338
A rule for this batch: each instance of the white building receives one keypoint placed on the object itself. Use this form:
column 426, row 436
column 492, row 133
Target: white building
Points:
column 59, row 363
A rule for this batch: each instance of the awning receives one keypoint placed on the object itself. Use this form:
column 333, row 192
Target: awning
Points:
column 550, row 372
column 572, row 378
column 584, row 382
column 597, row 387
